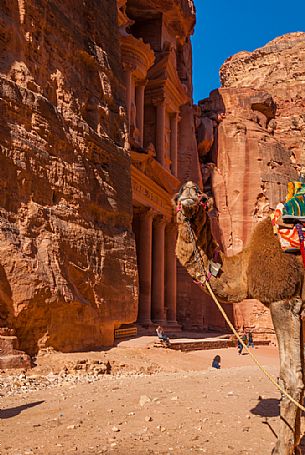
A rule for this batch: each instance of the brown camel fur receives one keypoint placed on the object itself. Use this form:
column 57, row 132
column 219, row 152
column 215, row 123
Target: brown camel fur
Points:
column 261, row 271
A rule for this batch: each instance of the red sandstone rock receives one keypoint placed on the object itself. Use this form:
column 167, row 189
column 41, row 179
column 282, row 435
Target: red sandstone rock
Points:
column 252, row 315
column 279, row 68
column 10, row 355
column 253, row 167
column 67, row 255
column 205, row 136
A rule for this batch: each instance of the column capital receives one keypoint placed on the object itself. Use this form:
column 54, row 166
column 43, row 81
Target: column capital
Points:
column 159, row 220
column 158, row 101
column 141, row 83
column 128, row 67
column 144, row 212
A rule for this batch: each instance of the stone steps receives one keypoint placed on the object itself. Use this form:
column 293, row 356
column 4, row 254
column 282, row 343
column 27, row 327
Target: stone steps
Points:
column 10, row 355
column 170, row 330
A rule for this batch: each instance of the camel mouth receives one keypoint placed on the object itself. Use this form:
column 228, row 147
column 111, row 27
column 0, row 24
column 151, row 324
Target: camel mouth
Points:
column 188, row 201
column 188, row 207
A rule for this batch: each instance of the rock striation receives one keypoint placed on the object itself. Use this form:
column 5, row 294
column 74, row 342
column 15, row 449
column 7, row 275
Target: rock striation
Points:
column 68, row 272
column 244, row 165
column 279, row 68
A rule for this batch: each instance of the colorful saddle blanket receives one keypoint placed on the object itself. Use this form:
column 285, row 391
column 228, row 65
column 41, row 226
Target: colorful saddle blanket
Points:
column 295, row 205
column 289, row 238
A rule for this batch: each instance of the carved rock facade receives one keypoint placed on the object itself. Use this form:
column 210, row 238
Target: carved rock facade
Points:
column 157, row 62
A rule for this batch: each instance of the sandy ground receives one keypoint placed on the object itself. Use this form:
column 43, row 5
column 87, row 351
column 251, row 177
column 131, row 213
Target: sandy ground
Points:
column 156, row 401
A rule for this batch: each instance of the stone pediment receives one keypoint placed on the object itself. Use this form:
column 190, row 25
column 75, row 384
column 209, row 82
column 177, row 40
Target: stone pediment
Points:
column 164, row 83
column 149, row 166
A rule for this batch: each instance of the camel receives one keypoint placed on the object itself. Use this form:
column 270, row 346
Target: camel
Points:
column 261, row 271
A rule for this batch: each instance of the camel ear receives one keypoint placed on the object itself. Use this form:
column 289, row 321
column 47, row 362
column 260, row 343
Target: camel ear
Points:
column 210, row 203
column 204, row 198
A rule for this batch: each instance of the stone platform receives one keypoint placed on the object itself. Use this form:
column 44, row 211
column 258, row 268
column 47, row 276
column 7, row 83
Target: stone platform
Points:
column 215, row 343
column 187, row 341
column 10, row 356
column 171, row 330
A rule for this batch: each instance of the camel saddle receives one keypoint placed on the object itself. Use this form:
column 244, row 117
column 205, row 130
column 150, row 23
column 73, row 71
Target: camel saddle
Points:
column 298, row 222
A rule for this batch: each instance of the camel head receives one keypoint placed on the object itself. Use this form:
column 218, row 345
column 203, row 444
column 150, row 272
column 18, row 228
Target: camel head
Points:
column 189, row 201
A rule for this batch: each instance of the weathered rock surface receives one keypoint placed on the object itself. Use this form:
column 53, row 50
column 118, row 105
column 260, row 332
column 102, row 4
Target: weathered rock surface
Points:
column 67, row 255
column 10, row 355
column 252, row 167
column 279, row 68
column 252, row 315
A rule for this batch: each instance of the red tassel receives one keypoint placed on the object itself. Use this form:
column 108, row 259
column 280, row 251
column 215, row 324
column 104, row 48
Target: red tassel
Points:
column 301, row 237
column 302, row 252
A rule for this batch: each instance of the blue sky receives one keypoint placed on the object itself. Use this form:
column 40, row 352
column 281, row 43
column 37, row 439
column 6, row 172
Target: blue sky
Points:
column 225, row 27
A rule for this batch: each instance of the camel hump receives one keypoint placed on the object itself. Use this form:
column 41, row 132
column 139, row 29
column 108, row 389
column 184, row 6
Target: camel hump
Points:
column 269, row 267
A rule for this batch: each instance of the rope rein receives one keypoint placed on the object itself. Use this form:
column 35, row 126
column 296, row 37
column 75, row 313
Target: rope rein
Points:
column 206, row 283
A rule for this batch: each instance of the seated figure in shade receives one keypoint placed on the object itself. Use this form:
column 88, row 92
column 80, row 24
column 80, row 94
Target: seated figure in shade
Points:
column 250, row 340
column 216, row 362
column 162, row 336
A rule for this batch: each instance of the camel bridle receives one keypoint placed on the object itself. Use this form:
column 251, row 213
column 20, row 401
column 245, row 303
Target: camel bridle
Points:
column 202, row 201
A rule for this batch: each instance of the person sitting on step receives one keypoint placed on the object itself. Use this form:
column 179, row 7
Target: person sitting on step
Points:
column 162, row 336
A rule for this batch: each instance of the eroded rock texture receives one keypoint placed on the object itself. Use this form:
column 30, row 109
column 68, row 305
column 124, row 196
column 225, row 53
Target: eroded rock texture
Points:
column 244, row 165
column 278, row 68
column 67, row 255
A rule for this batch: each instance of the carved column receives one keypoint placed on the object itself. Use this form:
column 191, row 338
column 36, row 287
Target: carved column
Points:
column 128, row 77
column 170, row 273
column 158, row 315
column 160, row 133
column 174, row 143
column 140, row 89
column 144, row 266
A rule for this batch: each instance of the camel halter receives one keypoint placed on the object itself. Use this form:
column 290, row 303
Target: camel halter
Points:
column 206, row 283
column 200, row 202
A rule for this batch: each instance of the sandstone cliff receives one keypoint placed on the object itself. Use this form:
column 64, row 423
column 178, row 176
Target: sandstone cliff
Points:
column 279, row 68
column 251, row 167
column 67, row 254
